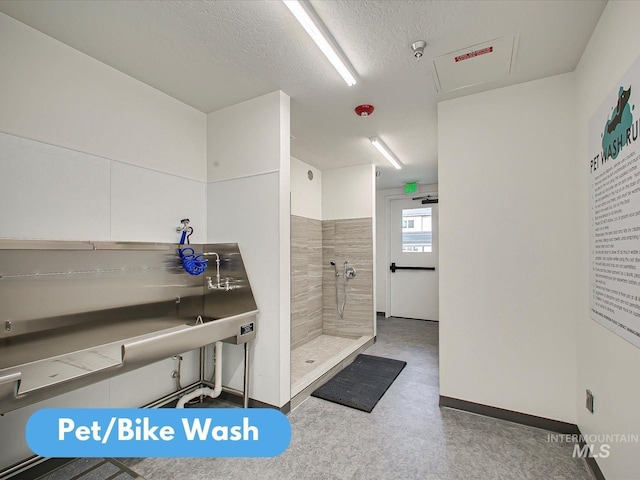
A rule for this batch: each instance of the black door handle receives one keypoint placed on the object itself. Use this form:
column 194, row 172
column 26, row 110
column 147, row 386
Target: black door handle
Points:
column 394, row 267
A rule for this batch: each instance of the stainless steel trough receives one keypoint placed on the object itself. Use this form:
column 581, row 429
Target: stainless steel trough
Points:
column 75, row 313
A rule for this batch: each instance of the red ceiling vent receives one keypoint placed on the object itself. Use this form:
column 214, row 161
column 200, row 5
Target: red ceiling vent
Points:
column 364, row 110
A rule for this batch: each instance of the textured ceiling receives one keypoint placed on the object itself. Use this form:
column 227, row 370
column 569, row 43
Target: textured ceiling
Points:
column 211, row 54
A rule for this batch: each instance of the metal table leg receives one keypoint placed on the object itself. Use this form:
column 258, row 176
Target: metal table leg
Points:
column 245, row 395
column 202, row 367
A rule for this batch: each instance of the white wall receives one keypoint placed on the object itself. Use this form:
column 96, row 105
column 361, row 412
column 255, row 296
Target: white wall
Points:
column 248, row 203
column 88, row 153
column 146, row 205
column 306, row 195
column 348, row 192
column 55, row 94
column 382, row 262
column 246, row 138
column 60, row 194
column 508, row 290
column 607, row 364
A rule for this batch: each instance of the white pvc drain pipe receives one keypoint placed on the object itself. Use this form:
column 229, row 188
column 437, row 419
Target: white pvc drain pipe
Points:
column 206, row 391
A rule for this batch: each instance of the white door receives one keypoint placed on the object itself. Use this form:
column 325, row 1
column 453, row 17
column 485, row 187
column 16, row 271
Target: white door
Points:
column 413, row 269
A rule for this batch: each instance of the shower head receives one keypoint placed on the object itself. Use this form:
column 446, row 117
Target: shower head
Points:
column 335, row 269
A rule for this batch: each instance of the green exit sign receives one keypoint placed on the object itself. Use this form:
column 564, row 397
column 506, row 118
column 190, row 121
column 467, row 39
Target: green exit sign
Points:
column 411, row 187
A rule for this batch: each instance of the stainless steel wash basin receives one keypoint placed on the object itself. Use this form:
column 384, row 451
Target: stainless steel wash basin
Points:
column 43, row 356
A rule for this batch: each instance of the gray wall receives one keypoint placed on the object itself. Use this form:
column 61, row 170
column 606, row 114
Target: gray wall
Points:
column 348, row 240
column 314, row 244
column 306, row 279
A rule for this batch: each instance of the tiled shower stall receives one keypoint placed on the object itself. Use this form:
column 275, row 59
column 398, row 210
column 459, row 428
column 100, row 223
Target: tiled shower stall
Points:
column 320, row 339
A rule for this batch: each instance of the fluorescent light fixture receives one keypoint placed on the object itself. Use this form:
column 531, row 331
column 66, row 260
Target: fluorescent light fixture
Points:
column 384, row 150
column 308, row 18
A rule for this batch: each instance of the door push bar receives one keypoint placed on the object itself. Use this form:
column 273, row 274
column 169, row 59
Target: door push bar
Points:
column 393, row 268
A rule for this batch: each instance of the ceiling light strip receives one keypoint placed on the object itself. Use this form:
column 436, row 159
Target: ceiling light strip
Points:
column 384, row 150
column 308, row 18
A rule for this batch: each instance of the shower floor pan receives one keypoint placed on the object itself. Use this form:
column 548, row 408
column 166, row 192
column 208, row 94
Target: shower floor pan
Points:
column 58, row 361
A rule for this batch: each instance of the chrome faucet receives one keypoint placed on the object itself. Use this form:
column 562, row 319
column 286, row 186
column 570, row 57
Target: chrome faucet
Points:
column 349, row 272
column 219, row 284
column 210, row 284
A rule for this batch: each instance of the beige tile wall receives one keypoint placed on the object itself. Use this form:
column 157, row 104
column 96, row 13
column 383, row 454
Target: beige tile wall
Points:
column 306, row 279
column 352, row 241
column 314, row 244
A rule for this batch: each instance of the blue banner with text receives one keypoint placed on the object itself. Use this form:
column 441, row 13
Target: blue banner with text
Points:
column 163, row 432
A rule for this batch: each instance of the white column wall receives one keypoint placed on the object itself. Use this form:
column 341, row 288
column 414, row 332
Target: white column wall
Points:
column 244, row 139
column 248, row 203
column 607, row 364
column 508, row 235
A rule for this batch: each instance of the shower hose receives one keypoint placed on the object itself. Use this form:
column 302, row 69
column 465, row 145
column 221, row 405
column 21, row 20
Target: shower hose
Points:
column 193, row 264
column 344, row 296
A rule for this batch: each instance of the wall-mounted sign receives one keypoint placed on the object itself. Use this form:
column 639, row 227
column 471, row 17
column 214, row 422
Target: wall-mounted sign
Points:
column 614, row 197
column 411, row 188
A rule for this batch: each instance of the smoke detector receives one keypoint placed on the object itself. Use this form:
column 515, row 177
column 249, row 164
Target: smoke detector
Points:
column 418, row 48
column 364, row 110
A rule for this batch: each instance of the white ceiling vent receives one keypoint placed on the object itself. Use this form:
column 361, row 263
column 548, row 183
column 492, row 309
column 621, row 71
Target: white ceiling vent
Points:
column 483, row 63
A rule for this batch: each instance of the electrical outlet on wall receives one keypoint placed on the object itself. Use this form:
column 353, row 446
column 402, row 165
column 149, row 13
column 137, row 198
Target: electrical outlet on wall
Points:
column 590, row 400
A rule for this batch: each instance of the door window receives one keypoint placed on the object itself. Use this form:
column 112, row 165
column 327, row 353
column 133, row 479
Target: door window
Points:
column 416, row 230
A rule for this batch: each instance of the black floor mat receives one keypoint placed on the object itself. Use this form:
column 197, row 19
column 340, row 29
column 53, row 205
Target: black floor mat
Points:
column 361, row 384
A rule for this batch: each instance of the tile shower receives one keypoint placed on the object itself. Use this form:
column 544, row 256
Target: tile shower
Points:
column 320, row 339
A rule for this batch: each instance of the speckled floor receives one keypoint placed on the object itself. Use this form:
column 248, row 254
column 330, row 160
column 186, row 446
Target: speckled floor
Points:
column 406, row 437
